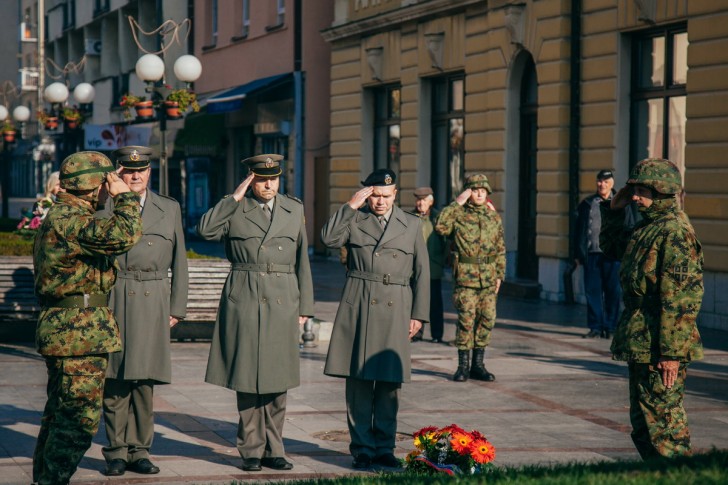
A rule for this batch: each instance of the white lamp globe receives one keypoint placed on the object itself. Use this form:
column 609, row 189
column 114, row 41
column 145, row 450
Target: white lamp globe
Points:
column 84, row 93
column 187, row 68
column 150, row 67
column 56, row 93
column 21, row 114
column 3, row 112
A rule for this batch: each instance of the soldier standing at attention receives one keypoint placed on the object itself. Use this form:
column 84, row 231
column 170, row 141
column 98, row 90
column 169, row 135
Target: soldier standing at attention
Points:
column 145, row 310
column 73, row 262
column 662, row 284
column 479, row 269
column 385, row 300
column 267, row 296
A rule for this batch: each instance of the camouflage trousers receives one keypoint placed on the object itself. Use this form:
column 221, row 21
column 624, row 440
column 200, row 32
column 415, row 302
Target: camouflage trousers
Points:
column 659, row 420
column 476, row 316
column 71, row 416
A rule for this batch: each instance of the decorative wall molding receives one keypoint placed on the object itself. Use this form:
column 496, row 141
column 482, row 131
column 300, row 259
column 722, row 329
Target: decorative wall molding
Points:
column 647, row 10
column 516, row 23
column 435, row 47
column 375, row 59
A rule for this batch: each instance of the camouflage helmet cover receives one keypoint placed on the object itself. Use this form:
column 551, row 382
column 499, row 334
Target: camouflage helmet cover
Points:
column 478, row 180
column 657, row 173
column 84, row 170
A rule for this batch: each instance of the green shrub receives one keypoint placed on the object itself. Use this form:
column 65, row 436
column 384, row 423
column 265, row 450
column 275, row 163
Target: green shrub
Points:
column 191, row 254
column 13, row 244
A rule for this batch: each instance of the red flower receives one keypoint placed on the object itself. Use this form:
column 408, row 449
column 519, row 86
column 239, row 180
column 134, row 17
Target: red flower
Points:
column 452, row 429
column 482, row 451
column 35, row 222
column 460, row 442
column 425, row 431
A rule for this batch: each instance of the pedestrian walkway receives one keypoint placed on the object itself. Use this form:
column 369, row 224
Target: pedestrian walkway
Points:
column 557, row 398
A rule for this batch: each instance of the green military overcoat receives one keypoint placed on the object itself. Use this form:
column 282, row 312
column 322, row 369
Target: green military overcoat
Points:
column 142, row 305
column 255, row 341
column 370, row 338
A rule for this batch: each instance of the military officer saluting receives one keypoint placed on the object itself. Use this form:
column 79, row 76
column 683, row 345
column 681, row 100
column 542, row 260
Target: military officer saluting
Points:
column 267, row 296
column 145, row 310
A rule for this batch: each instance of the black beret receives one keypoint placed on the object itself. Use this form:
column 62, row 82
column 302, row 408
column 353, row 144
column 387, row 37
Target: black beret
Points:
column 133, row 157
column 381, row 176
column 266, row 165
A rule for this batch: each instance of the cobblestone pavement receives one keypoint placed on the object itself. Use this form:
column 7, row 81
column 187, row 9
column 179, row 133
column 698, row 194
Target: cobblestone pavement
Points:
column 557, row 398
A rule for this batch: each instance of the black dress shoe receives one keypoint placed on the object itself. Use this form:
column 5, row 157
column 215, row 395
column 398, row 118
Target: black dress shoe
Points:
column 276, row 463
column 251, row 464
column 362, row 461
column 143, row 466
column 436, row 340
column 606, row 334
column 388, row 460
column 592, row 334
column 115, row 468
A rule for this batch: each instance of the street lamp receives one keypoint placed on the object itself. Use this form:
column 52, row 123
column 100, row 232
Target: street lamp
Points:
column 150, row 69
column 57, row 95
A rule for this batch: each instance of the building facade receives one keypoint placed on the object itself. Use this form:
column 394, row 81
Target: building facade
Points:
column 539, row 95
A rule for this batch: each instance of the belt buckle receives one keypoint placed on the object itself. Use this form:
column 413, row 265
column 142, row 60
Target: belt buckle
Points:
column 86, row 300
column 269, row 267
column 386, row 279
column 138, row 275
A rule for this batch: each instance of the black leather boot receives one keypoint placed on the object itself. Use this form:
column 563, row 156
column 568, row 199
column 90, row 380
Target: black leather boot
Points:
column 478, row 370
column 461, row 375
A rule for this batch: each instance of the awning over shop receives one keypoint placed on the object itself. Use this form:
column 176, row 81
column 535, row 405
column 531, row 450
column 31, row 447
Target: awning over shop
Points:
column 232, row 99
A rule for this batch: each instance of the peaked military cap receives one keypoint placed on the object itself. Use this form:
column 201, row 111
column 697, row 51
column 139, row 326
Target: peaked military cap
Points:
column 133, row 157
column 422, row 192
column 266, row 165
column 605, row 174
column 478, row 181
column 381, row 176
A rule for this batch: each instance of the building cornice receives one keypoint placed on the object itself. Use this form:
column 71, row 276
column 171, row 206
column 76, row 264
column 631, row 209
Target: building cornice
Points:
column 388, row 20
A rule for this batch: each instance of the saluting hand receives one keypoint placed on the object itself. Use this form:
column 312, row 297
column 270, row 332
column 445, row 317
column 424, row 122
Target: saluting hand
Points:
column 360, row 197
column 243, row 187
column 622, row 199
column 463, row 197
column 114, row 185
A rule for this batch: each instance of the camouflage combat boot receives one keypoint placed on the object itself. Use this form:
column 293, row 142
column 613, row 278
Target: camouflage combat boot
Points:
column 478, row 370
column 461, row 375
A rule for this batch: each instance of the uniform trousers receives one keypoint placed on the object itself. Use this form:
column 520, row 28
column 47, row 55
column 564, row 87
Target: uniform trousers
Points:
column 371, row 412
column 260, row 429
column 476, row 316
column 71, row 416
column 659, row 420
column 603, row 292
column 129, row 419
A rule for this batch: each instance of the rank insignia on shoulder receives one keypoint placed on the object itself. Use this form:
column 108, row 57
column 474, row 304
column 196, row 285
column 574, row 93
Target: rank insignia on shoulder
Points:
column 295, row 198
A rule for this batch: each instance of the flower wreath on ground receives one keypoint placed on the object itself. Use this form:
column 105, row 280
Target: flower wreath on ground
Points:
column 450, row 450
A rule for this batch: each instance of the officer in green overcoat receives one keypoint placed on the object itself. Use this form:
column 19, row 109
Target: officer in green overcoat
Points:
column 384, row 303
column 662, row 288
column 146, row 305
column 478, row 271
column 267, row 296
column 73, row 262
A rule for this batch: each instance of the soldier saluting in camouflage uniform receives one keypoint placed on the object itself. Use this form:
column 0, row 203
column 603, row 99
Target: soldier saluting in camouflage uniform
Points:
column 478, row 270
column 73, row 261
column 662, row 284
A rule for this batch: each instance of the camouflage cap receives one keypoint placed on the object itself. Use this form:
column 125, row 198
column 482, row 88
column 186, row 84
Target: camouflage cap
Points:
column 133, row 157
column 657, row 173
column 84, row 170
column 266, row 165
column 476, row 181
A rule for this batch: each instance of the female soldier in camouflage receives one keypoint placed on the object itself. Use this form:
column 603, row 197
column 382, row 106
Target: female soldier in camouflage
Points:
column 662, row 284
column 479, row 268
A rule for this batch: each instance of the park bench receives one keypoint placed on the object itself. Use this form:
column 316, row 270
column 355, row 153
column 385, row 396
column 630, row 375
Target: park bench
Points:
column 19, row 307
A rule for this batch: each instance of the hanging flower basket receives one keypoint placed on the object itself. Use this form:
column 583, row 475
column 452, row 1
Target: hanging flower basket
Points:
column 172, row 108
column 72, row 124
column 9, row 136
column 144, row 109
column 51, row 123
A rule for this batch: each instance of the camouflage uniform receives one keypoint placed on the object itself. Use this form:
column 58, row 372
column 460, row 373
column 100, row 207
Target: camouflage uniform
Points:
column 480, row 261
column 73, row 260
column 662, row 283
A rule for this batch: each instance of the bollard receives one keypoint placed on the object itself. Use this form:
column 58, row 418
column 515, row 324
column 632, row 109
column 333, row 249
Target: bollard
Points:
column 308, row 335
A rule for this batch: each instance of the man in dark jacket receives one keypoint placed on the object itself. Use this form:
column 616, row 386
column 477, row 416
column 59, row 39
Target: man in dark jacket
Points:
column 601, row 272
column 386, row 298
column 146, row 307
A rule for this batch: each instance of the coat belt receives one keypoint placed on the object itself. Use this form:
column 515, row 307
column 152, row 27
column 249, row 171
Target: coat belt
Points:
column 266, row 268
column 387, row 279
column 142, row 275
column 476, row 259
column 86, row 300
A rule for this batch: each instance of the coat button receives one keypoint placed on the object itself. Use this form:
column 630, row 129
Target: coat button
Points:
column 394, row 255
column 280, row 248
column 149, row 243
column 262, row 248
column 131, row 292
column 374, row 302
column 262, row 273
column 278, row 300
column 390, row 303
column 264, row 300
column 146, row 293
column 376, row 255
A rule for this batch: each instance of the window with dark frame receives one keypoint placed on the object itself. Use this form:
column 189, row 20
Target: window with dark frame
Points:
column 387, row 119
column 101, row 7
column 69, row 15
column 448, row 137
column 658, row 101
column 246, row 18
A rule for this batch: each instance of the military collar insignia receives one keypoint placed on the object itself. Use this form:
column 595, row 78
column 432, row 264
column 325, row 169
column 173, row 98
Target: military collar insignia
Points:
column 134, row 156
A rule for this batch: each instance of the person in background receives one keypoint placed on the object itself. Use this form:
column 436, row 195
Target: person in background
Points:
column 384, row 302
column 601, row 272
column 437, row 252
column 52, row 188
column 146, row 307
column 267, row 297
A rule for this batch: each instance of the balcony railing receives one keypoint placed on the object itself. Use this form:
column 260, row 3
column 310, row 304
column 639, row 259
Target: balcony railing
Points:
column 29, row 79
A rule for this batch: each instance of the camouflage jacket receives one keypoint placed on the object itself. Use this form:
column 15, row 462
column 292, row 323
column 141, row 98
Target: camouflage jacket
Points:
column 478, row 233
column 662, row 283
column 74, row 254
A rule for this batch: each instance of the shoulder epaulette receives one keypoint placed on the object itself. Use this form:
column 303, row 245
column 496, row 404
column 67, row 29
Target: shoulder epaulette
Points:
column 294, row 198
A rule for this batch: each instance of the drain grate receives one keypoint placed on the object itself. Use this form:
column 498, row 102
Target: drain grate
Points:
column 343, row 435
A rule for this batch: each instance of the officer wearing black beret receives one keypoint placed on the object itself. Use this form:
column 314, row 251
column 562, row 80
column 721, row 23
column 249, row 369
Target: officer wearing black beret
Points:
column 381, row 177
